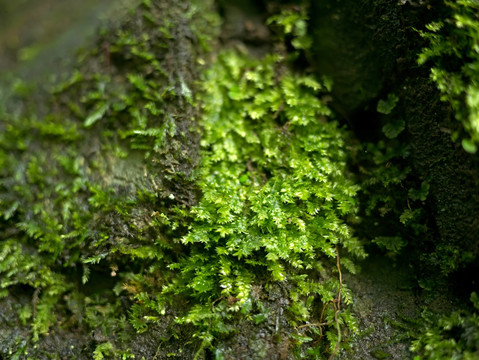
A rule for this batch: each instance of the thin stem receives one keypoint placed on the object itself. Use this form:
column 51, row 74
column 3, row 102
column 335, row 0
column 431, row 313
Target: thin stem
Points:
column 337, row 305
column 315, row 324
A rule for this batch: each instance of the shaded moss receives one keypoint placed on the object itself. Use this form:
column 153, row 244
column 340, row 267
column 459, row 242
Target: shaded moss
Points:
column 452, row 336
column 85, row 185
column 453, row 57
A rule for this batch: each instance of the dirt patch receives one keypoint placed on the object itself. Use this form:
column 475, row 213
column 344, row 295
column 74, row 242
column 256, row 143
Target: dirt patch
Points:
column 387, row 303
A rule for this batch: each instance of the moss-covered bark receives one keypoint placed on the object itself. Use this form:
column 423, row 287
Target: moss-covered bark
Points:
column 375, row 45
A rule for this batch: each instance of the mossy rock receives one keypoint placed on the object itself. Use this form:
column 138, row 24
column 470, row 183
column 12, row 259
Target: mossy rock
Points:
column 88, row 166
column 370, row 49
column 113, row 226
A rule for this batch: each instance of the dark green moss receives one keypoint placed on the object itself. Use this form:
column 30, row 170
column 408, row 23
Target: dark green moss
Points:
column 88, row 177
column 100, row 195
column 453, row 57
column 448, row 336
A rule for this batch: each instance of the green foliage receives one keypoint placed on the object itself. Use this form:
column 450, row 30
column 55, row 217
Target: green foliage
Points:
column 395, row 124
column 392, row 244
column 274, row 198
column 419, row 194
column 387, row 106
column 292, row 26
column 453, row 54
column 393, row 206
column 275, row 193
column 107, row 350
column 393, row 128
column 17, row 267
column 86, row 181
column 102, row 350
column 453, row 336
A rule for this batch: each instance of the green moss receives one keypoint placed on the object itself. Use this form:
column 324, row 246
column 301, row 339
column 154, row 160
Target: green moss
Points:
column 87, row 178
column 114, row 224
column 453, row 55
column 274, row 198
column 292, row 27
column 453, row 336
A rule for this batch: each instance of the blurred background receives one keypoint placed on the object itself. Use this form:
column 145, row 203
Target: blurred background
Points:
column 38, row 34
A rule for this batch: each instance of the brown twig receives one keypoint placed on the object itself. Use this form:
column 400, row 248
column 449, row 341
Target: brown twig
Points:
column 337, row 309
column 315, row 324
column 337, row 305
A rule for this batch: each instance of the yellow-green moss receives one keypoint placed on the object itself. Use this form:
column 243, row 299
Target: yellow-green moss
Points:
column 105, row 201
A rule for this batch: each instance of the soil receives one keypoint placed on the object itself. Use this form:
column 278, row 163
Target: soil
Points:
column 388, row 303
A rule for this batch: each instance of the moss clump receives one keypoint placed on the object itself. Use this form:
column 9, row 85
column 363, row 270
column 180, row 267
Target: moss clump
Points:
column 454, row 336
column 453, row 54
column 110, row 225
column 275, row 197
